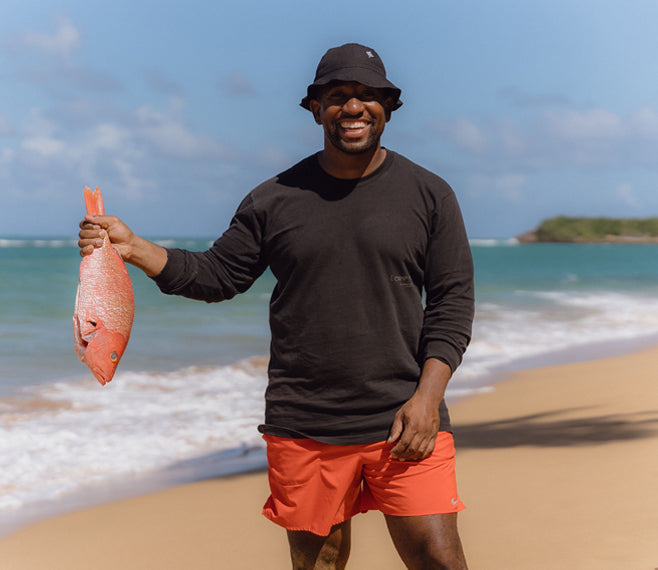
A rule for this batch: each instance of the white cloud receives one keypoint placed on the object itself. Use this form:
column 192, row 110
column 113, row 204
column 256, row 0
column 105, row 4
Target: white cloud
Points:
column 506, row 186
column 626, row 193
column 275, row 158
column 45, row 146
column 236, row 84
column 159, row 82
column 558, row 138
column 61, row 42
column 521, row 98
column 510, row 185
column 48, row 60
column 108, row 137
column 644, row 121
column 510, row 137
column 171, row 137
column 40, row 135
column 37, row 125
column 126, row 151
column 468, row 135
column 132, row 184
column 6, row 159
column 5, row 127
column 591, row 124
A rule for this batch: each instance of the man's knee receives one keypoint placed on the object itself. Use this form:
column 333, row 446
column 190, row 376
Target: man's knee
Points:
column 433, row 556
column 428, row 542
column 310, row 551
column 441, row 559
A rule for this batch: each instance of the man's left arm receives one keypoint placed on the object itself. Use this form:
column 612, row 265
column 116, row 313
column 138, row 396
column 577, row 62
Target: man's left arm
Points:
column 445, row 334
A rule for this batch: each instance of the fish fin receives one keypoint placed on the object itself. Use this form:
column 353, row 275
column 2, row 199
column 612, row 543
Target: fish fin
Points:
column 94, row 202
column 77, row 339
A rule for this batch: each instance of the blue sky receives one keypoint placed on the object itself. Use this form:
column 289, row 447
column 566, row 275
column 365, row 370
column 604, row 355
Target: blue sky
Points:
column 176, row 110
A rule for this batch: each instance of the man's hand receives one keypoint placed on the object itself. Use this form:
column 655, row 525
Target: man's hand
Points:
column 93, row 229
column 417, row 422
column 146, row 255
column 414, row 428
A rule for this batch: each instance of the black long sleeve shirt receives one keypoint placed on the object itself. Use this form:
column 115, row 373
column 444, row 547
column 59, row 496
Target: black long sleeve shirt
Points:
column 353, row 260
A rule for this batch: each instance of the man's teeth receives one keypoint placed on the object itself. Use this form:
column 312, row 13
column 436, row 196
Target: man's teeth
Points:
column 355, row 125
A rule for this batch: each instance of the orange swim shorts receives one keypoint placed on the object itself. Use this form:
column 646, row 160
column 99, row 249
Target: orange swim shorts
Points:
column 315, row 485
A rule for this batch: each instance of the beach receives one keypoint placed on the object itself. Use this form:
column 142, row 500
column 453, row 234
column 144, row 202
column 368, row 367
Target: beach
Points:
column 557, row 466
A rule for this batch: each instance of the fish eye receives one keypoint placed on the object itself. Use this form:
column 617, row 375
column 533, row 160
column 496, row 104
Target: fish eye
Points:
column 114, row 356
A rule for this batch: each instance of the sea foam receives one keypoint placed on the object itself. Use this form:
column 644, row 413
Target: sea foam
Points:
column 56, row 437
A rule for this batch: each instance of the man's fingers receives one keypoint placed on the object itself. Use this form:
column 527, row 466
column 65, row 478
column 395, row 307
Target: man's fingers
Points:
column 87, row 224
column 89, row 232
column 404, row 448
column 415, row 449
column 93, row 229
column 426, row 449
column 396, row 430
column 87, row 250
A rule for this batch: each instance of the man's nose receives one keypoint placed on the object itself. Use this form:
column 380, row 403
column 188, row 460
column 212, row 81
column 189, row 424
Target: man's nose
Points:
column 353, row 106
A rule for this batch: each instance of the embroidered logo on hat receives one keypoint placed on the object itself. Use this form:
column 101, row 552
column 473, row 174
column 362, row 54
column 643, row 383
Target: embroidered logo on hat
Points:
column 370, row 54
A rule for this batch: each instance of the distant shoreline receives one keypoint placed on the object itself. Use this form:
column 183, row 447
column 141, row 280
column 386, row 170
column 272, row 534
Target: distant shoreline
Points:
column 531, row 237
column 564, row 229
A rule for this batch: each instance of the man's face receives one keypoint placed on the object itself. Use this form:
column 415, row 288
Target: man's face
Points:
column 353, row 115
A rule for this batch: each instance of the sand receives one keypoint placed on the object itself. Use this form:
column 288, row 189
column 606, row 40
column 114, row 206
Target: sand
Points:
column 558, row 467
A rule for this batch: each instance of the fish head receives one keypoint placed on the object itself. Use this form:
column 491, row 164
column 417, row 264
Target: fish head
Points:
column 102, row 351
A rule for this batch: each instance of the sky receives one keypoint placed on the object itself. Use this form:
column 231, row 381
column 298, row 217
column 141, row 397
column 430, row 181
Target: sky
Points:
column 176, row 110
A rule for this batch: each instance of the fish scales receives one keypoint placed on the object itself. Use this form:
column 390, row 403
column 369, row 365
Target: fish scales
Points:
column 104, row 306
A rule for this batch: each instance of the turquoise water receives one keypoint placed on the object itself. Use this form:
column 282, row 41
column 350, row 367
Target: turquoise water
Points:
column 530, row 298
column 191, row 381
column 565, row 267
column 536, row 299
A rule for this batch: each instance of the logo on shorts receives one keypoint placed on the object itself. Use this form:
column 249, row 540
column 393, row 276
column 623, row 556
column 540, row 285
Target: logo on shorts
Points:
column 454, row 501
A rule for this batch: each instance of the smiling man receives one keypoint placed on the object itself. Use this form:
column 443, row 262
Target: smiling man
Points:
column 355, row 235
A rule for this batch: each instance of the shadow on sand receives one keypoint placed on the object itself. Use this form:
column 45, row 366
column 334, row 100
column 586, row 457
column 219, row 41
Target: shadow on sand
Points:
column 548, row 430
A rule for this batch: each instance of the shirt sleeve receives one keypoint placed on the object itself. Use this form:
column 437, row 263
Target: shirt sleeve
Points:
column 449, row 288
column 229, row 267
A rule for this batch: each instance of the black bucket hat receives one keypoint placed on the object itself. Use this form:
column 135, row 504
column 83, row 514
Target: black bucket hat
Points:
column 352, row 62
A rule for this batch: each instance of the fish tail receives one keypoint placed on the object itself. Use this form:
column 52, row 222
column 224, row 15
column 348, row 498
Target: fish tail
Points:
column 94, row 202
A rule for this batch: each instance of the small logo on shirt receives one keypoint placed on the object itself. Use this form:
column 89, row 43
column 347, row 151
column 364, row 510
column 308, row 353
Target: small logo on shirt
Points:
column 402, row 280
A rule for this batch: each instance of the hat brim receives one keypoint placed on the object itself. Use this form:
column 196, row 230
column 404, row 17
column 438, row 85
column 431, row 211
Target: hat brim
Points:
column 361, row 75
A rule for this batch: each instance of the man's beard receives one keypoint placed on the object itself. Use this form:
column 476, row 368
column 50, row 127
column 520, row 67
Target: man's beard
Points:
column 361, row 147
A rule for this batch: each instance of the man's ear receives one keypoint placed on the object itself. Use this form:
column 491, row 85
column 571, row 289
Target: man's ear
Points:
column 314, row 106
column 388, row 107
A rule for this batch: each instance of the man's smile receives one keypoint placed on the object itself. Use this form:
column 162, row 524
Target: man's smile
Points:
column 353, row 128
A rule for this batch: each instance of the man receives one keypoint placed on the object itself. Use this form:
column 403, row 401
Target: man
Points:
column 355, row 417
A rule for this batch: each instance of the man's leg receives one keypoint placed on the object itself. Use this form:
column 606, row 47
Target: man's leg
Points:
column 429, row 542
column 310, row 551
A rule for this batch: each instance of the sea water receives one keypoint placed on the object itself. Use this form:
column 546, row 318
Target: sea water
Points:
column 188, row 393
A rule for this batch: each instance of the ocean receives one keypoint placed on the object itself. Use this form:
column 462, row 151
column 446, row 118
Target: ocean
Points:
column 188, row 393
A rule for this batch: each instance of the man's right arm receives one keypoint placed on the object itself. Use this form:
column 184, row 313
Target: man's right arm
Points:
column 146, row 255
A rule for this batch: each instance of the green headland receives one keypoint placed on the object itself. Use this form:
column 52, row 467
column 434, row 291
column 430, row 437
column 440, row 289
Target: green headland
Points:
column 594, row 230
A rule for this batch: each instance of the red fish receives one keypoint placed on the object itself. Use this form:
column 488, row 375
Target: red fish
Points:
column 104, row 304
